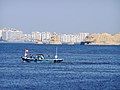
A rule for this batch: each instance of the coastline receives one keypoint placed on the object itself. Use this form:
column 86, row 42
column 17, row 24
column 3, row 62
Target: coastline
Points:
column 59, row 44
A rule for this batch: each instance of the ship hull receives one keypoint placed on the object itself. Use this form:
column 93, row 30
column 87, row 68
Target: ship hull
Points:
column 35, row 60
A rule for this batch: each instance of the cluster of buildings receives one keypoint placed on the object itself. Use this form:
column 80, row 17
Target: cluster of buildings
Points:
column 15, row 35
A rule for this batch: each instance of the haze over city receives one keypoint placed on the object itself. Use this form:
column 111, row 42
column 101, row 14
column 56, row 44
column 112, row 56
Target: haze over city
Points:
column 64, row 16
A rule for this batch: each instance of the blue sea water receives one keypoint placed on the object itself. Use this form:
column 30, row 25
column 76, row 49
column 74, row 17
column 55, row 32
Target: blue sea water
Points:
column 84, row 68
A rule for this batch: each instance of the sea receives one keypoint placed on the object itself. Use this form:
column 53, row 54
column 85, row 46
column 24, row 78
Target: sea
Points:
column 84, row 67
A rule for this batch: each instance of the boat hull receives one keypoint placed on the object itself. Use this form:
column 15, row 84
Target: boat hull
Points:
column 35, row 60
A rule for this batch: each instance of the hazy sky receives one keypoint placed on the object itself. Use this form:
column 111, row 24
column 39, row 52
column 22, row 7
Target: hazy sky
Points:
column 64, row 16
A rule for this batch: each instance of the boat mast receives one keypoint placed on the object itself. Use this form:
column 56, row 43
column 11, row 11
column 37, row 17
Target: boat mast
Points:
column 56, row 56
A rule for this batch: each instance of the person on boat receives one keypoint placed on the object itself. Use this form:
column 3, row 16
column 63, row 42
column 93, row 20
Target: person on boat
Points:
column 26, row 53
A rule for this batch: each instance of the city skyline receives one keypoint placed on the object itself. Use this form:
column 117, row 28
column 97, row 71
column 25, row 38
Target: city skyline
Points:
column 61, row 16
column 14, row 35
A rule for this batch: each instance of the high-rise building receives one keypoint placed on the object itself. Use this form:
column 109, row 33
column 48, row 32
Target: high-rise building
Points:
column 73, row 38
column 37, row 37
column 11, row 35
column 0, row 34
column 65, row 38
column 27, row 38
column 46, row 37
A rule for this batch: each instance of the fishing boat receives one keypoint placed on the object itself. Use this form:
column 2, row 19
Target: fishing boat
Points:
column 39, row 57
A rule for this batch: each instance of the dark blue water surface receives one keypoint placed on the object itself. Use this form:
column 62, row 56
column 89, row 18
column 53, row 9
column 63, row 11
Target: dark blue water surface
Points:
column 83, row 68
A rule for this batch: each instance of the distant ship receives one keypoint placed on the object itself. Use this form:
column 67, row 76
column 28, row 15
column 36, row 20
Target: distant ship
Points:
column 40, row 57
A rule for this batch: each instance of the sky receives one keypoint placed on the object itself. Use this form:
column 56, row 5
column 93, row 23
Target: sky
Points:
column 62, row 16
